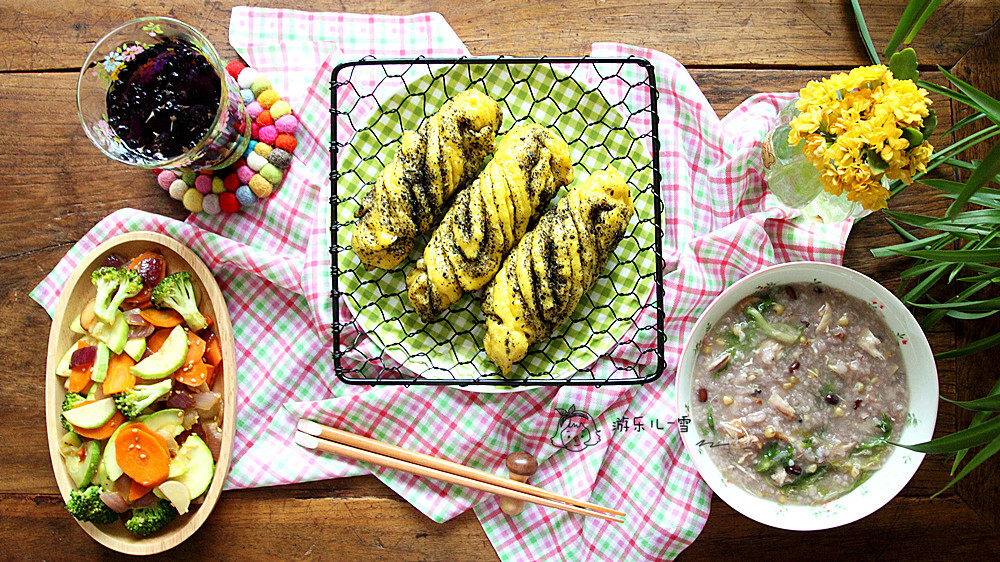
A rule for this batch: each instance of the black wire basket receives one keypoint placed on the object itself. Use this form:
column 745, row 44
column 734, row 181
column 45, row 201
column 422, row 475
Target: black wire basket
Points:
column 605, row 109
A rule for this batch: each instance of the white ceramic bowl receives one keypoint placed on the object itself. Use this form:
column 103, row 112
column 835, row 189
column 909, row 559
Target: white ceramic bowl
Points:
column 901, row 464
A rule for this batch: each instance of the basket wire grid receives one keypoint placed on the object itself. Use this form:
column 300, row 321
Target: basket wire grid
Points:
column 605, row 109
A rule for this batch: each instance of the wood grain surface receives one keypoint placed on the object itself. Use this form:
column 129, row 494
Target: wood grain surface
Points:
column 57, row 186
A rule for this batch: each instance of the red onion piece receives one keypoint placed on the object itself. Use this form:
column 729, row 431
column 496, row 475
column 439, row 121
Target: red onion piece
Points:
column 190, row 419
column 83, row 357
column 180, row 400
column 114, row 501
column 135, row 332
column 213, row 438
column 134, row 318
column 146, row 501
column 122, row 486
column 151, row 270
column 113, row 260
column 205, row 401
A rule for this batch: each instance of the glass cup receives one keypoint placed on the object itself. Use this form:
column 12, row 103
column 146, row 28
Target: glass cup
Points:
column 163, row 66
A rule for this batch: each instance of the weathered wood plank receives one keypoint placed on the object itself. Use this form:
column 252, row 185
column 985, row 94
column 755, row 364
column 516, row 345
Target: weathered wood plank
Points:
column 61, row 189
column 911, row 529
column 58, row 35
column 265, row 524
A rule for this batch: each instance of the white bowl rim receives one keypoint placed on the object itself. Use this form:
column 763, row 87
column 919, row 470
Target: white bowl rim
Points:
column 902, row 464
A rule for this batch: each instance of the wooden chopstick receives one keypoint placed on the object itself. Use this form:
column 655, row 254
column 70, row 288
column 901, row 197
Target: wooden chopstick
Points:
column 317, row 436
column 387, row 449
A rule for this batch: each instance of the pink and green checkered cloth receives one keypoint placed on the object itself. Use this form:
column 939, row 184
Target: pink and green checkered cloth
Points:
column 273, row 265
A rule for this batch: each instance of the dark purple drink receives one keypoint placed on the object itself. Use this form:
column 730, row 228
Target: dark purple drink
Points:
column 164, row 100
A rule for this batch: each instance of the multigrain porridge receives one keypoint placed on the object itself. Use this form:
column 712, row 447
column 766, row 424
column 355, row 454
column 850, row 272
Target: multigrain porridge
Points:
column 805, row 385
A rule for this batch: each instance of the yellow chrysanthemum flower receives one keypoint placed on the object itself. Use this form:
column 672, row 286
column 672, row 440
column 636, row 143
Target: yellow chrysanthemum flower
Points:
column 853, row 117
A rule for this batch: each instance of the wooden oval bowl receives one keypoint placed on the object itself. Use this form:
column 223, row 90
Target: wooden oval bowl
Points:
column 77, row 292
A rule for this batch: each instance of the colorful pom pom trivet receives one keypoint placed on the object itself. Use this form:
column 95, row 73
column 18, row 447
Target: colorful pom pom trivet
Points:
column 256, row 175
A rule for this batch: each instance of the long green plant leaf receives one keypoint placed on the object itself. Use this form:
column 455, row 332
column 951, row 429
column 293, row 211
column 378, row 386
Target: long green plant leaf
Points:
column 988, row 168
column 977, row 420
column 987, row 452
column 918, row 244
column 946, row 92
column 920, row 22
column 967, row 306
column 975, row 347
column 970, row 315
column 863, row 30
column 990, row 403
column 980, row 100
column 968, row 120
column 985, row 196
column 986, row 255
column 909, row 19
column 964, row 439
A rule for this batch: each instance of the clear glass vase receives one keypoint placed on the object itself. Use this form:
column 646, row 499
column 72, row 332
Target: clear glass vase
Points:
column 795, row 181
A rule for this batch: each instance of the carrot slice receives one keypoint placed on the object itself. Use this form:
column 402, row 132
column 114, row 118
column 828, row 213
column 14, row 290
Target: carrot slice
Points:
column 137, row 490
column 196, row 348
column 192, row 374
column 141, row 456
column 155, row 341
column 210, row 375
column 213, row 353
column 79, row 378
column 119, row 377
column 159, row 438
column 165, row 318
column 104, row 431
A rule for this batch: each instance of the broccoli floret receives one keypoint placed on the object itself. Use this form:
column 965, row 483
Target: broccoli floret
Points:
column 86, row 505
column 113, row 287
column 132, row 402
column 176, row 291
column 148, row 520
column 131, row 284
column 71, row 401
column 106, row 279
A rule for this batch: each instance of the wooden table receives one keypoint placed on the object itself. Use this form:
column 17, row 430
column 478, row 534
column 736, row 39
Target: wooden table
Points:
column 56, row 186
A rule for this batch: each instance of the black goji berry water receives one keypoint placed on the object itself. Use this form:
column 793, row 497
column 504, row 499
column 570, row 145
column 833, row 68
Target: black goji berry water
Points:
column 164, row 100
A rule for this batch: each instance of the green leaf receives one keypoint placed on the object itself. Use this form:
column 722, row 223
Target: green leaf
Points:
column 875, row 162
column 987, row 452
column 904, row 65
column 964, row 122
column 920, row 22
column 977, row 419
column 975, row 306
column 989, row 403
column 929, row 124
column 986, row 255
column 926, row 284
column 985, row 196
column 979, row 100
column 974, row 347
column 989, row 167
column 970, row 315
column 909, row 19
column 918, row 244
column 913, row 136
column 945, row 91
column 964, row 439
column 863, row 30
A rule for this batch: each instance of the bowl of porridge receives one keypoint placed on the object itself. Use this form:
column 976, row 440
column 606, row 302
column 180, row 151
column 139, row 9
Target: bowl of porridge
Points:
column 797, row 380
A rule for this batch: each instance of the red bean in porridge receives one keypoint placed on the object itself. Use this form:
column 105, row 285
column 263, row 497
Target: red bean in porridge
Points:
column 806, row 385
